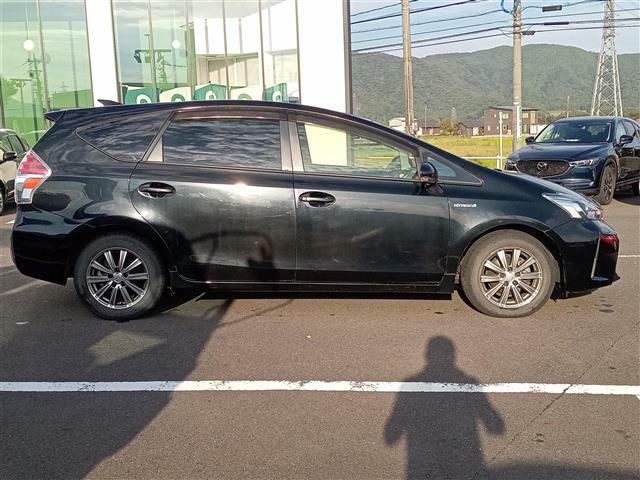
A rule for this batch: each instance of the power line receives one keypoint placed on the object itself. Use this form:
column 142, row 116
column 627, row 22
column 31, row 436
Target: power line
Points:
column 448, row 29
column 379, row 8
column 417, row 10
column 501, row 34
column 429, row 42
column 413, row 24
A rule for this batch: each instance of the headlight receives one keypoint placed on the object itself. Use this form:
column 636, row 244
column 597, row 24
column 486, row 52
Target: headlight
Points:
column 585, row 162
column 575, row 207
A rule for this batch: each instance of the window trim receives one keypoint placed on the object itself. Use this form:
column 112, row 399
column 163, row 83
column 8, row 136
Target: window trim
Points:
column 182, row 115
column 339, row 124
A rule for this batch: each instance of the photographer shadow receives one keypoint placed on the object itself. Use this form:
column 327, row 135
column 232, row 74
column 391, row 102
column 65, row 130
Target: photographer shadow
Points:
column 442, row 429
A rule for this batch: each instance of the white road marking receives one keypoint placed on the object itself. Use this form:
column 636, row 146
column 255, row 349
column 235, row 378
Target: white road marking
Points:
column 317, row 386
column 628, row 256
column 11, row 222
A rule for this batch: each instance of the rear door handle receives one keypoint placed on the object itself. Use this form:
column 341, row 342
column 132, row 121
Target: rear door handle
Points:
column 317, row 199
column 156, row 190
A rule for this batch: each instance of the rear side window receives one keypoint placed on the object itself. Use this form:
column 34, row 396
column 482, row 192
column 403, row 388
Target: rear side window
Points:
column 124, row 138
column 224, row 142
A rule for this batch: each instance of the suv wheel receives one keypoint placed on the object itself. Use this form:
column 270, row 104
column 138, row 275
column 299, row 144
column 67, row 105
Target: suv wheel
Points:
column 607, row 185
column 507, row 274
column 2, row 200
column 119, row 277
column 636, row 188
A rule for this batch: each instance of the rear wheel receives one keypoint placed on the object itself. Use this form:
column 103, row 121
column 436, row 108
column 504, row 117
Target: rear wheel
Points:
column 607, row 185
column 2, row 200
column 507, row 274
column 119, row 277
column 636, row 188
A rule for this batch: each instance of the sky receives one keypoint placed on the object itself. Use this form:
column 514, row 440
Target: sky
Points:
column 479, row 16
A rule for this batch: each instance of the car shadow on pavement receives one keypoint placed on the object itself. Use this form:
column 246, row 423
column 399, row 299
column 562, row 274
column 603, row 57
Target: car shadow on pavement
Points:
column 441, row 431
column 65, row 435
column 628, row 198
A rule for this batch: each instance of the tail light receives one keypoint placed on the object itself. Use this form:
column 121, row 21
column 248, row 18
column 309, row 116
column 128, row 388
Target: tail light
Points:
column 32, row 172
column 610, row 239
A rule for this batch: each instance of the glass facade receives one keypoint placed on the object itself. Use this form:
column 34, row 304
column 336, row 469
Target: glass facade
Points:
column 147, row 51
column 215, row 49
column 44, row 62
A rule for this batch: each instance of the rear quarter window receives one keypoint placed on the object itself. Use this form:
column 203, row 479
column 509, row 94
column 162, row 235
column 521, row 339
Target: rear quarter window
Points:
column 124, row 138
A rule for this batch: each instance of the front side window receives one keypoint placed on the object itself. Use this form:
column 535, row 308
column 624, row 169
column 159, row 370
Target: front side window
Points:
column 343, row 152
column 631, row 130
column 620, row 131
column 224, row 142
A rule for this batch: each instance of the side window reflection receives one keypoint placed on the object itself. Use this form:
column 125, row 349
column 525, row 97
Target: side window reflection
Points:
column 332, row 150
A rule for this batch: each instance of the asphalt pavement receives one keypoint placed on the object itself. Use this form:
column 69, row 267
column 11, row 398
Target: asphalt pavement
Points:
column 47, row 336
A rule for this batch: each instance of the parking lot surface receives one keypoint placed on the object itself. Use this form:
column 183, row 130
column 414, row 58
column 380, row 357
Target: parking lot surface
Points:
column 357, row 432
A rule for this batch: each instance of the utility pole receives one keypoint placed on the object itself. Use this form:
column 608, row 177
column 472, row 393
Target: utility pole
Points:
column 517, row 75
column 408, row 73
column 606, row 91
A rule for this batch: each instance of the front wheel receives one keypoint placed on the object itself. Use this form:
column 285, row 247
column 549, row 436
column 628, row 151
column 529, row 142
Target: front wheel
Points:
column 607, row 185
column 507, row 274
column 636, row 188
column 119, row 277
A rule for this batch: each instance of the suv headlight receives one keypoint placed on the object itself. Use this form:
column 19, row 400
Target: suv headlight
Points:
column 585, row 162
column 575, row 207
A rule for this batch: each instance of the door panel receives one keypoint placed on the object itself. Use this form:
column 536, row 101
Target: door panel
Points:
column 223, row 225
column 361, row 215
column 376, row 231
column 215, row 190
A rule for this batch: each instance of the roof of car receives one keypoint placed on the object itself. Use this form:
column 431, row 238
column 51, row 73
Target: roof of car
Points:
column 249, row 104
column 586, row 117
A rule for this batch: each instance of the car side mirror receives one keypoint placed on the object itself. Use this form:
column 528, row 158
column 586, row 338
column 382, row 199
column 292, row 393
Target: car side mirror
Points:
column 8, row 156
column 624, row 139
column 529, row 140
column 428, row 174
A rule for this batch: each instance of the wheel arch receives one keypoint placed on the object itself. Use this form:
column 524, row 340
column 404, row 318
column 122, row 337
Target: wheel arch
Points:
column 541, row 235
column 95, row 229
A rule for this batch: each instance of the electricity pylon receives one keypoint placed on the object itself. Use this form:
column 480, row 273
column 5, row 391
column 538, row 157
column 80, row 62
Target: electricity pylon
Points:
column 606, row 91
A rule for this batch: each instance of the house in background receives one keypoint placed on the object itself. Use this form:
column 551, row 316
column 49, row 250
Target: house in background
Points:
column 530, row 124
column 471, row 129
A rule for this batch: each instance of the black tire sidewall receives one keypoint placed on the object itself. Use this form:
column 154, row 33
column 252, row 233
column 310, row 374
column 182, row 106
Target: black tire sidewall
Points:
column 609, row 168
column 474, row 258
column 147, row 254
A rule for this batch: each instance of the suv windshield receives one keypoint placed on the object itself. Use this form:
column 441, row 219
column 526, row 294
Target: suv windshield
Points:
column 586, row 131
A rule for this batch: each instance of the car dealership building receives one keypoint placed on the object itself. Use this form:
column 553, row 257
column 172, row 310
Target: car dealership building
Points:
column 71, row 53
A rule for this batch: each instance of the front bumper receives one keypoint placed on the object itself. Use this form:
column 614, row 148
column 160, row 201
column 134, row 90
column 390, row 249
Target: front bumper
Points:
column 583, row 179
column 588, row 255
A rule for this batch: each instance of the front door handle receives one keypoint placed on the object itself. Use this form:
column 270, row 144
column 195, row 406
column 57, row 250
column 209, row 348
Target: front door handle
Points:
column 156, row 190
column 317, row 199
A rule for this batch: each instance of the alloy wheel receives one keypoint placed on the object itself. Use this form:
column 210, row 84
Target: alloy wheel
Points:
column 511, row 277
column 117, row 278
column 607, row 185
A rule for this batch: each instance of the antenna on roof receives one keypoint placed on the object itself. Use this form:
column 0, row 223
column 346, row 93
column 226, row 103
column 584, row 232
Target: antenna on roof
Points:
column 107, row 103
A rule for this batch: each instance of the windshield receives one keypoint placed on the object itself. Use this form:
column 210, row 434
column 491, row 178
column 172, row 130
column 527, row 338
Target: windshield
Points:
column 586, row 131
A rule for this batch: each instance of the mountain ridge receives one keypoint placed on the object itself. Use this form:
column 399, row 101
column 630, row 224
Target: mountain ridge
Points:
column 476, row 80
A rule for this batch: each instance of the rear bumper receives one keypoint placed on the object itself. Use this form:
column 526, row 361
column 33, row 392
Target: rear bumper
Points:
column 40, row 244
column 589, row 254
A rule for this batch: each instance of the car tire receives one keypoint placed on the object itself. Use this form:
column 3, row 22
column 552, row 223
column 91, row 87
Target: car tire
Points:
column 635, row 188
column 607, row 185
column 521, row 289
column 119, row 277
column 3, row 200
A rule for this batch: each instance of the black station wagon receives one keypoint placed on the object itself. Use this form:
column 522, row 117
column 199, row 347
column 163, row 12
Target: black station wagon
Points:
column 133, row 201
